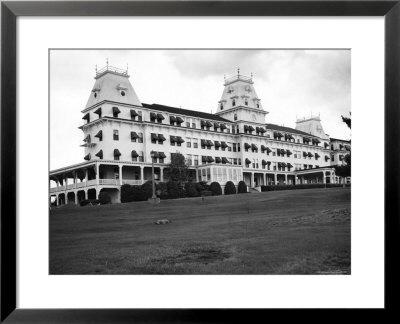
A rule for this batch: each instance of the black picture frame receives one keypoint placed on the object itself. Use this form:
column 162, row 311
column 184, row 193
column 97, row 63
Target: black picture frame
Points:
column 10, row 10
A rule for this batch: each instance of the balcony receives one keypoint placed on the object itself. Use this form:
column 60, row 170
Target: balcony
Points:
column 95, row 182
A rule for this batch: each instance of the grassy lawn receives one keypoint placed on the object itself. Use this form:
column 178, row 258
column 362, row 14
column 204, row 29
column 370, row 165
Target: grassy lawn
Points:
column 281, row 232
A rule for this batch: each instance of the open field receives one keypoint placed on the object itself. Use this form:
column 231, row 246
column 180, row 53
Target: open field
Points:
column 281, row 232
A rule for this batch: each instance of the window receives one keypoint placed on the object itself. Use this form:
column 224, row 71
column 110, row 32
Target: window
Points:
column 161, row 160
column 115, row 135
column 115, row 111
column 141, row 157
column 196, row 160
column 238, row 147
column 233, row 103
column 258, row 105
column 193, row 125
column 240, row 161
column 230, row 147
column 274, row 153
column 139, row 117
column 140, row 139
column 154, row 138
column 188, row 142
column 246, row 102
column 221, row 106
column 189, row 159
column 234, row 147
column 235, row 161
column 188, row 124
column 235, row 117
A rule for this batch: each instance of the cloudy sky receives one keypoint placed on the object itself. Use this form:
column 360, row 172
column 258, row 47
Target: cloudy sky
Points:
column 290, row 83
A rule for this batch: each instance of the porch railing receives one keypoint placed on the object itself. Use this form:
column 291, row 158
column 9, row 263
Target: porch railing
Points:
column 94, row 182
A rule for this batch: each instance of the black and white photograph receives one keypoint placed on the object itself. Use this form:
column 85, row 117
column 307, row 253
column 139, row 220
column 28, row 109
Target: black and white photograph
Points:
column 200, row 161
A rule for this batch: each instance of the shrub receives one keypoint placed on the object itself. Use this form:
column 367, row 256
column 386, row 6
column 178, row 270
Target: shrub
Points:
column 138, row 194
column 89, row 201
column 126, row 193
column 162, row 190
column 230, row 188
column 216, row 189
column 147, row 188
column 104, row 198
column 242, row 187
column 299, row 186
column 191, row 190
column 173, row 190
column 202, row 185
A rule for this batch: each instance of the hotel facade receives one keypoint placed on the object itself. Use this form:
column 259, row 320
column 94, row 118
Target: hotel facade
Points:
column 121, row 136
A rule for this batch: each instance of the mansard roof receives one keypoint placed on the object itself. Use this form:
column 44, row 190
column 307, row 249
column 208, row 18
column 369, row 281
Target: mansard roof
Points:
column 286, row 129
column 185, row 112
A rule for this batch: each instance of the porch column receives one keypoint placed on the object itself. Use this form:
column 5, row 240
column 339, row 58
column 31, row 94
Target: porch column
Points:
column 161, row 174
column 76, row 197
column 141, row 173
column 265, row 179
column 252, row 180
column 86, row 175
column 197, row 175
column 97, row 193
column 286, row 178
column 85, row 194
column 57, row 201
column 120, row 175
column 75, row 178
column 324, row 177
column 275, row 178
column 97, row 172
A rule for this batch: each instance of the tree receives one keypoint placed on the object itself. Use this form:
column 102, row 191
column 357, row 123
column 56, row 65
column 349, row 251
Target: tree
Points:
column 178, row 170
column 344, row 170
column 242, row 187
column 104, row 198
column 191, row 190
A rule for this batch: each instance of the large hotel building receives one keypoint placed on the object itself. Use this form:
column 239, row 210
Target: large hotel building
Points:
column 120, row 134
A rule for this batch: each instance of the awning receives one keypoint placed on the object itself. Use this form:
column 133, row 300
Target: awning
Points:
column 218, row 159
column 306, row 139
column 251, row 128
column 153, row 115
column 87, row 157
column 288, row 152
column 283, row 164
column 269, row 150
column 203, row 142
column 310, row 154
column 154, row 155
column 87, row 117
column 99, row 134
column 161, row 155
column 326, row 144
column 317, row 141
column 246, row 128
column 210, row 143
column 117, row 152
column 341, row 146
column 172, row 119
column 347, row 147
column 160, row 117
column 290, row 136
column 262, row 130
column 134, row 154
column 305, row 154
column 179, row 120
column 279, row 164
column 134, row 135
column 247, row 145
column 263, row 148
column 216, row 125
column 327, row 158
column 278, row 134
column 204, row 159
column 264, row 162
column 317, row 155
column 341, row 157
column 203, row 123
column 100, row 154
column 173, row 138
column 217, row 144
column 116, row 110
column 247, row 161
column 225, row 160
column 98, row 111
column 254, row 147
column 154, row 136
column 305, row 166
column 268, row 162
column 289, row 165
column 161, row 138
column 134, row 113
column 87, row 139
column 223, row 144
column 208, row 123
column 222, row 126
column 210, row 159
column 180, row 139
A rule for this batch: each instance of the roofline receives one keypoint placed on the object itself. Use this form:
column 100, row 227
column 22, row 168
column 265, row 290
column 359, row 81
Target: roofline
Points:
column 338, row 139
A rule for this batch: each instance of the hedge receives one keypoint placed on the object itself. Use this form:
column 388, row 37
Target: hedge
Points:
column 89, row 201
column 230, row 188
column 242, row 187
column 216, row 189
column 132, row 193
column 300, row 186
column 190, row 189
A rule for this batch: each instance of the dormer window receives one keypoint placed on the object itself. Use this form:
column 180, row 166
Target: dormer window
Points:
column 95, row 95
column 122, row 93
column 235, row 117
column 246, row 102
column 258, row 105
column 221, row 106
column 233, row 102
